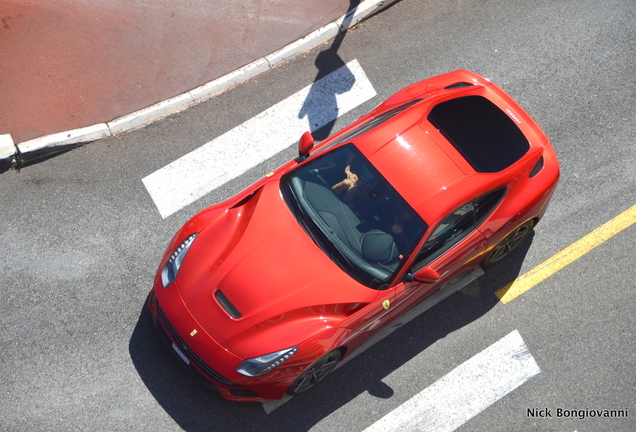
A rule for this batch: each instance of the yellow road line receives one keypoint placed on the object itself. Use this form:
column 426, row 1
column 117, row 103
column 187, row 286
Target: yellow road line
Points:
column 567, row 256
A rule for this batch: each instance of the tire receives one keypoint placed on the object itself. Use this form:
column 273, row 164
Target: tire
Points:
column 315, row 373
column 508, row 244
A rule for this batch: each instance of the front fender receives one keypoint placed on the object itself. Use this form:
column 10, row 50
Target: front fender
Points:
column 274, row 384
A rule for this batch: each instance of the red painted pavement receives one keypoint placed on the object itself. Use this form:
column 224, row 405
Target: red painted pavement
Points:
column 66, row 64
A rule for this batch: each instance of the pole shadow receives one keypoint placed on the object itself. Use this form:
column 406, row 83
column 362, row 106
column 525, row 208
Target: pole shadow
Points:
column 321, row 101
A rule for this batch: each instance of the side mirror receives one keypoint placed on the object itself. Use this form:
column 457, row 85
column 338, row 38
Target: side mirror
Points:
column 305, row 145
column 427, row 275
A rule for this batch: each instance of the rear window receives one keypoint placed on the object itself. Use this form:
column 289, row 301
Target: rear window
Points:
column 487, row 138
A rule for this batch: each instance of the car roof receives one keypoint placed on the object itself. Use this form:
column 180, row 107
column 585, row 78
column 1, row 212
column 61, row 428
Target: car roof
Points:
column 421, row 162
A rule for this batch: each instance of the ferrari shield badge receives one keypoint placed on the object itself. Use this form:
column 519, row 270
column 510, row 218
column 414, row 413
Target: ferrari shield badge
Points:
column 386, row 304
column 193, row 332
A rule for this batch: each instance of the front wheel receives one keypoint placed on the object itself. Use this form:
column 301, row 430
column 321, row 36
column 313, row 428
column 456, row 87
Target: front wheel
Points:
column 508, row 244
column 315, row 373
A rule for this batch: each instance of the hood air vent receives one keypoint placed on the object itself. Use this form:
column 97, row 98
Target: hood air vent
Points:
column 227, row 305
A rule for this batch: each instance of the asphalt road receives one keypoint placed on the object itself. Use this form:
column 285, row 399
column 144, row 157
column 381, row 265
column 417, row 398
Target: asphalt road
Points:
column 81, row 240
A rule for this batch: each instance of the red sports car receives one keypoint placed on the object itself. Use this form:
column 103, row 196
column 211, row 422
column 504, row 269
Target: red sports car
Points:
column 265, row 293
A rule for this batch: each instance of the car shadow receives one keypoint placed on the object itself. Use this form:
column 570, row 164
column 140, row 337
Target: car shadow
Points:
column 195, row 407
column 321, row 101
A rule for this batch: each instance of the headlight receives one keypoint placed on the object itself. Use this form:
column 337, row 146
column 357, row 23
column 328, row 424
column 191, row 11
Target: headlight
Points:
column 172, row 266
column 259, row 365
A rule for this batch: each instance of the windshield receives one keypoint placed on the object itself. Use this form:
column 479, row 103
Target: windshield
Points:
column 354, row 215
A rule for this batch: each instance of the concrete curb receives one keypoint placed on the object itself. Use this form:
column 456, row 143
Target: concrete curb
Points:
column 7, row 150
column 26, row 151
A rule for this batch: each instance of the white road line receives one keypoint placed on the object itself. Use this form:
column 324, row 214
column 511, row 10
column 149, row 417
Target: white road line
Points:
column 444, row 292
column 201, row 171
column 466, row 391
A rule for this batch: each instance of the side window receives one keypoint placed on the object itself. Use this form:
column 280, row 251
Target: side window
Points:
column 485, row 204
column 453, row 228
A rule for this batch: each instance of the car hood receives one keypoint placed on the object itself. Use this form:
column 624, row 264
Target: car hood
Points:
column 271, row 272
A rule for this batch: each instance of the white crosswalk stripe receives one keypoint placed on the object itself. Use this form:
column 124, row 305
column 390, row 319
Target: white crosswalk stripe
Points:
column 466, row 391
column 210, row 166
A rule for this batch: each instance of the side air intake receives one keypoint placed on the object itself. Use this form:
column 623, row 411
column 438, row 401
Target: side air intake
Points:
column 458, row 85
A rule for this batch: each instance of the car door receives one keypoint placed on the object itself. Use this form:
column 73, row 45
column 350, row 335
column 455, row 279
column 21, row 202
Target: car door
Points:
column 454, row 247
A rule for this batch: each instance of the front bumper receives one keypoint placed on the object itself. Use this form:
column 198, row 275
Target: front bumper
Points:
column 202, row 371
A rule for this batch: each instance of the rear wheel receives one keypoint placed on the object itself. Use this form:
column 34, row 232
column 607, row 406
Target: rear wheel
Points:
column 315, row 373
column 508, row 244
